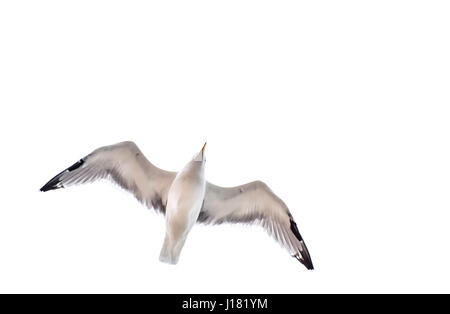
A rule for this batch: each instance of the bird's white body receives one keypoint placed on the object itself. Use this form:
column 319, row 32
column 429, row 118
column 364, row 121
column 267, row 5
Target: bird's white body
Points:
column 185, row 199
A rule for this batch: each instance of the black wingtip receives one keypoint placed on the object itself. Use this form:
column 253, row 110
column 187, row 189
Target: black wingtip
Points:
column 51, row 185
column 55, row 182
column 305, row 258
column 308, row 264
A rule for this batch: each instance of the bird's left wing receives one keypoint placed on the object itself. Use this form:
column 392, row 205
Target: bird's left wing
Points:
column 124, row 164
column 255, row 203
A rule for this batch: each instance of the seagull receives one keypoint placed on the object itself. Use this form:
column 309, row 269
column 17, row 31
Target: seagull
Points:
column 184, row 203
column 251, row 203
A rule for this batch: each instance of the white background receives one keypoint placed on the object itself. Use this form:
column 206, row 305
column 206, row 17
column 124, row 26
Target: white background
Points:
column 341, row 107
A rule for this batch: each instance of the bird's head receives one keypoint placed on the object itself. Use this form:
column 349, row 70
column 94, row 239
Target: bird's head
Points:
column 200, row 156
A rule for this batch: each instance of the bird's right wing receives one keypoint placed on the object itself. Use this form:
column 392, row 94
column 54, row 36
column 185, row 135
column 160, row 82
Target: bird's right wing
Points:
column 255, row 203
column 124, row 164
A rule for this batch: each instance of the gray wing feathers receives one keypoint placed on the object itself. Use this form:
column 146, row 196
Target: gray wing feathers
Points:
column 255, row 203
column 124, row 164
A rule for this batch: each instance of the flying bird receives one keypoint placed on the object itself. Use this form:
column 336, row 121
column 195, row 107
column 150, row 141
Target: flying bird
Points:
column 184, row 202
column 251, row 203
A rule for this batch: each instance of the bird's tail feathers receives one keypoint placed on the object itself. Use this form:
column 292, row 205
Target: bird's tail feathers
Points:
column 170, row 252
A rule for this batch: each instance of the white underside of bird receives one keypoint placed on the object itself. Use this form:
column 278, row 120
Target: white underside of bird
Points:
column 184, row 203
